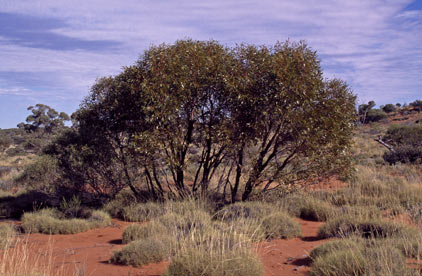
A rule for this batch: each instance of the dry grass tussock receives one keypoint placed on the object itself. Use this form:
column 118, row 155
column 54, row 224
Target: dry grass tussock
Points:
column 200, row 243
column 24, row 258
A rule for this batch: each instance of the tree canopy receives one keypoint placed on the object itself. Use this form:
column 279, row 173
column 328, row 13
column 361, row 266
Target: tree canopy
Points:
column 198, row 117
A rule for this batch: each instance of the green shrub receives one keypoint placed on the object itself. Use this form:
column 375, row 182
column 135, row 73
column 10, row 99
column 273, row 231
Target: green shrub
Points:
column 203, row 262
column 141, row 252
column 140, row 232
column 375, row 115
column 123, row 199
column 7, row 232
column 280, row 226
column 99, row 219
column 388, row 108
column 404, row 154
column 143, row 211
column 349, row 225
column 41, row 175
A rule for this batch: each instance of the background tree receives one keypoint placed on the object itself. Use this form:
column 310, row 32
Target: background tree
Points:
column 388, row 108
column 363, row 110
column 44, row 119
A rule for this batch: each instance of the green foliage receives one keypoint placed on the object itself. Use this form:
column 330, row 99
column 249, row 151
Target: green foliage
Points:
column 280, row 226
column 42, row 175
column 407, row 144
column 309, row 208
column 225, row 105
column 388, row 108
column 375, row 115
column 44, row 119
column 332, row 247
column 141, row 252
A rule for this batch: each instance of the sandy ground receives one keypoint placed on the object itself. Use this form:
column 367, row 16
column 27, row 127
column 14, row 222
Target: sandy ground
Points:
column 88, row 253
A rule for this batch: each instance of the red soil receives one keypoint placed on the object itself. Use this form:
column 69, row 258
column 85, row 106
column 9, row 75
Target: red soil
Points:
column 91, row 250
column 290, row 257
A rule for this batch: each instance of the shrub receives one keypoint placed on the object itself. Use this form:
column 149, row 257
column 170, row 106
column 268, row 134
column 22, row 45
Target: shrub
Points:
column 138, row 232
column 41, row 175
column 280, row 226
column 375, row 115
column 7, row 232
column 404, row 154
column 203, row 262
column 123, row 199
column 141, row 252
column 348, row 225
column 388, row 108
column 142, row 211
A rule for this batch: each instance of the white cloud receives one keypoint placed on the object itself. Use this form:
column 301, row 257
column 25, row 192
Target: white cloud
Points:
column 374, row 45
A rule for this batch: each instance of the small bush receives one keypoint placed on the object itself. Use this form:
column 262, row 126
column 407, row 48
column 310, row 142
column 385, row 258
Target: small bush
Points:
column 141, row 232
column 143, row 211
column 280, row 226
column 123, row 199
column 141, row 252
column 203, row 262
column 7, row 232
column 375, row 115
column 404, row 154
column 388, row 108
column 348, row 225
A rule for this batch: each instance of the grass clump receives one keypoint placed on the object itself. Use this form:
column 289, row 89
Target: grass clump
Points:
column 7, row 232
column 385, row 260
column 141, row 252
column 142, row 211
column 337, row 245
column 137, row 232
column 308, row 207
column 51, row 221
column 203, row 262
column 280, row 226
column 245, row 210
column 349, row 225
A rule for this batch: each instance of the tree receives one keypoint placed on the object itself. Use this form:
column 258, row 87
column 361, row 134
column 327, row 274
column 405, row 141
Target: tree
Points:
column 363, row 110
column 388, row 108
column 194, row 113
column 44, row 119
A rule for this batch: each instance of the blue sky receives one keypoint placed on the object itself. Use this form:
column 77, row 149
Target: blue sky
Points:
column 52, row 51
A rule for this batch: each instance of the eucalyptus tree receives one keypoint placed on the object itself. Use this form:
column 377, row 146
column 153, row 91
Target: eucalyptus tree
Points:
column 195, row 113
